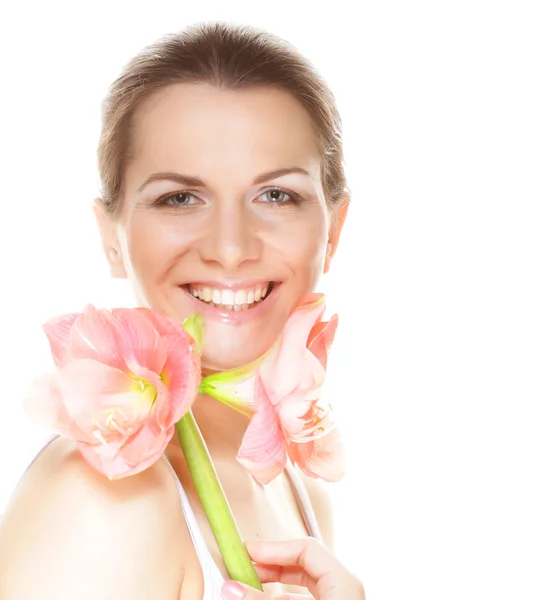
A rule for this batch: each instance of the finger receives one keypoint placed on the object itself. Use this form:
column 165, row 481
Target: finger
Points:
column 307, row 553
column 233, row 590
column 286, row 575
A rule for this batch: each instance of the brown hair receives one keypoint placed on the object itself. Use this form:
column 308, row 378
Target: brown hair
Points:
column 226, row 56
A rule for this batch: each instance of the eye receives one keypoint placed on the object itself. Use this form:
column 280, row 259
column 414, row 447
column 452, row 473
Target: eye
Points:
column 178, row 200
column 279, row 196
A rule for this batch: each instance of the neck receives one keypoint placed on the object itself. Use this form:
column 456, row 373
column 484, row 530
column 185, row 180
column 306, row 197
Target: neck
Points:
column 222, row 427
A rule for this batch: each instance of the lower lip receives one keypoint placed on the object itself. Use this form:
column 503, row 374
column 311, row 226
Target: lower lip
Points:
column 231, row 316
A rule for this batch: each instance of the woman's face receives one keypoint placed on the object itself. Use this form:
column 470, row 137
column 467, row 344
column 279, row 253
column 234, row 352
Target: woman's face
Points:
column 223, row 214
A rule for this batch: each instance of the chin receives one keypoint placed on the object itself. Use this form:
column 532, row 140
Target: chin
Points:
column 238, row 334
column 230, row 352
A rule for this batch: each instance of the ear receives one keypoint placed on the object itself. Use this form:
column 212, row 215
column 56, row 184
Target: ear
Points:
column 338, row 218
column 109, row 241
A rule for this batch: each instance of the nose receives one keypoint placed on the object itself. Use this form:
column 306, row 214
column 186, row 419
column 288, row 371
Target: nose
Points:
column 232, row 237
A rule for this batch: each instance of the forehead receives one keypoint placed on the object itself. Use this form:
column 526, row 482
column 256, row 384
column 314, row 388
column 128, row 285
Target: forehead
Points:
column 207, row 130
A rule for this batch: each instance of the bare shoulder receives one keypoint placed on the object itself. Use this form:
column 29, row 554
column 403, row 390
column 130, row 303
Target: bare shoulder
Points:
column 69, row 532
column 322, row 506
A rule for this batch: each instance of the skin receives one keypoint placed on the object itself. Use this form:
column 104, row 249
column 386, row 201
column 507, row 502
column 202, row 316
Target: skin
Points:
column 227, row 231
column 305, row 562
column 230, row 233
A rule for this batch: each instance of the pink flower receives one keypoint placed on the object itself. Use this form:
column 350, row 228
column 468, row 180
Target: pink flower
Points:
column 123, row 379
column 290, row 419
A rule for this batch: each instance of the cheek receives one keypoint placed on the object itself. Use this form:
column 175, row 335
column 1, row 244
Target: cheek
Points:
column 153, row 246
column 302, row 245
column 156, row 244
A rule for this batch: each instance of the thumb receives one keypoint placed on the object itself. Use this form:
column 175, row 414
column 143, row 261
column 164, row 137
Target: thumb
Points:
column 234, row 590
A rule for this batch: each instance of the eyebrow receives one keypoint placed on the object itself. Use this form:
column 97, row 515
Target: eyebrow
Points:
column 197, row 182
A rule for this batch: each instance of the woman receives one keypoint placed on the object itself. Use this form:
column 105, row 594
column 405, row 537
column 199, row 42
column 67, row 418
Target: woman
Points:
column 223, row 193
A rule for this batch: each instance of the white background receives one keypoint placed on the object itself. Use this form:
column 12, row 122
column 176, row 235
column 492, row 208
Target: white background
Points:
column 435, row 368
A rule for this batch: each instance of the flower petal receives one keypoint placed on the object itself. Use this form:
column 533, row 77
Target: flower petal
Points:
column 93, row 336
column 309, row 378
column 43, row 404
column 148, row 444
column 163, row 324
column 105, row 459
column 291, row 350
column 139, row 342
column 181, row 372
column 236, row 387
column 294, row 409
column 101, row 399
column 160, row 408
column 181, row 368
column 194, row 326
column 262, row 451
column 239, row 395
column 321, row 458
column 321, row 338
column 58, row 331
column 109, row 460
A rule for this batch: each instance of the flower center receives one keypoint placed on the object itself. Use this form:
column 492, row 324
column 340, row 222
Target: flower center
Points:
column 145, row 390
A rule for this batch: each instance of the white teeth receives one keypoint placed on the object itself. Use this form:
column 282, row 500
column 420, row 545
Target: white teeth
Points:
column 240, row 297
column 228, row 299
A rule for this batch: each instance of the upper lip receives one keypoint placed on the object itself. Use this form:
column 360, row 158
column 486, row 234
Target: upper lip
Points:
column 231, row 284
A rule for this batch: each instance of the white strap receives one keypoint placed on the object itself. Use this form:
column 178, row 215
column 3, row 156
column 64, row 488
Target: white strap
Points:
column 304, row 502
column 213, row 579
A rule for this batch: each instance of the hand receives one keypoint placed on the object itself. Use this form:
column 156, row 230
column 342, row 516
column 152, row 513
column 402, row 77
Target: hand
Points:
column 297, row 562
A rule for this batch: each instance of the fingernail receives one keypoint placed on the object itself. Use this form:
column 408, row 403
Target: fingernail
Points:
column 232, row 590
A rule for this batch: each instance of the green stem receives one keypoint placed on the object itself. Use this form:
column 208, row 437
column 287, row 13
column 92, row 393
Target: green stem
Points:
column 215, row 504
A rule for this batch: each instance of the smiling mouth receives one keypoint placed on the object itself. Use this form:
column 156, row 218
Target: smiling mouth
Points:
column 231, row 300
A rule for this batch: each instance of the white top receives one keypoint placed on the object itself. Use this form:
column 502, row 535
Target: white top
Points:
column 213, row 580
